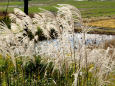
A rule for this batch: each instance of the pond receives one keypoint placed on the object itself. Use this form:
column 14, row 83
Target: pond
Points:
column 68, row 41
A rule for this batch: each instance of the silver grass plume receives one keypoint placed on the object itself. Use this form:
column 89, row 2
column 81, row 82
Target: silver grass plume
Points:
column 46, row 20
column 67, row 15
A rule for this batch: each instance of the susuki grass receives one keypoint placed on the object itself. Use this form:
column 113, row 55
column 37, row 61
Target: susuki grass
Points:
column 24, row 60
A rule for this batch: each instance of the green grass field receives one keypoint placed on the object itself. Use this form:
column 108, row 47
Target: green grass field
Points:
column 88, row 9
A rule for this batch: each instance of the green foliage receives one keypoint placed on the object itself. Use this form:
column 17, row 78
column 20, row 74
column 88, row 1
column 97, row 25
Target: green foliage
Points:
column 40, row 73
column 6, row 20
column 40, row 34
column 32, row 73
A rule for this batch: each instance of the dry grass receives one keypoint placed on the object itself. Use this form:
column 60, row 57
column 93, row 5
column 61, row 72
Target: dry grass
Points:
column 109, row 23
column 109, row 43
